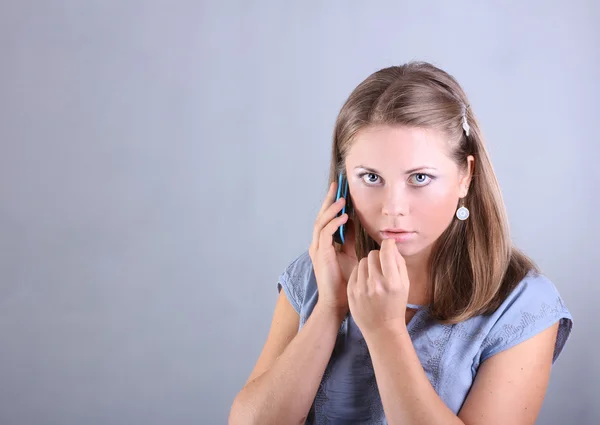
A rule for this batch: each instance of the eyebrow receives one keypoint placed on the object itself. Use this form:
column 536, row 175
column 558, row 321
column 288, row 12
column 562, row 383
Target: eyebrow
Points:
column 412, row 170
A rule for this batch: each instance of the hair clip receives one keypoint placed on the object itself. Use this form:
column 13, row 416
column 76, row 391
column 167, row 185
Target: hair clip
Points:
column 465, row 124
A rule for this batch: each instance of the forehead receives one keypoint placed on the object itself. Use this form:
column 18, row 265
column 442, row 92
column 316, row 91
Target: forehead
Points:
column 399, row 147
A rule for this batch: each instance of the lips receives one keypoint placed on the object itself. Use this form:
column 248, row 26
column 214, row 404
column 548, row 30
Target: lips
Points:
column 399, row 235
column 392, row 230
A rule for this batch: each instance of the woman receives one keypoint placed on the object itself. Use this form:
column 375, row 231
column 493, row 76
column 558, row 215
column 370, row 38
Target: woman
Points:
column 426, row 314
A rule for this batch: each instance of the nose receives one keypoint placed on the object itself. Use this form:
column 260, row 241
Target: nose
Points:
column 395, row 202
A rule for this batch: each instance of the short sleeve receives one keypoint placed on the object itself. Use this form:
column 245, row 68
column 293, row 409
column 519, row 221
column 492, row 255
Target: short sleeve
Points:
column 533, row 306
column 294, row 280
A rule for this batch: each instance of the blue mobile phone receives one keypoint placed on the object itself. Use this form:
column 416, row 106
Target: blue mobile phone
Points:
column 342, row 191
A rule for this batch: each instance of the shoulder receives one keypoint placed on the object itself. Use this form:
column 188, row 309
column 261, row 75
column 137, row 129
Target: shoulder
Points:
column 532, row 306
column 295, row 279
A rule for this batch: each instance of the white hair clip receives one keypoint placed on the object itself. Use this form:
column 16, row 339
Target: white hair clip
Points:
column 465, row 124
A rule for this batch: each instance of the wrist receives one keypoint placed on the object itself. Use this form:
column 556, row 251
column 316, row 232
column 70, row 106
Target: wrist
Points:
column 336, row 312
column 392, row 330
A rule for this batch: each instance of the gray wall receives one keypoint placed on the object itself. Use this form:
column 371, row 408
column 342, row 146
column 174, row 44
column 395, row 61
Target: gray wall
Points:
column 162, row 162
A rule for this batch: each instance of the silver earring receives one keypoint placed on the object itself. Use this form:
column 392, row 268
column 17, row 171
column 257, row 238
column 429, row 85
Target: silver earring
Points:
column 462, row 213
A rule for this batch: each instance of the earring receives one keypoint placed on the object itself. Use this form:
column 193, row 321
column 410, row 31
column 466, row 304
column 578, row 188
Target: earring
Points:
column 462, row 213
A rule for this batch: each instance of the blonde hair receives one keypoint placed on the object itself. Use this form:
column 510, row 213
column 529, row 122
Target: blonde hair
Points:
column 473, row 264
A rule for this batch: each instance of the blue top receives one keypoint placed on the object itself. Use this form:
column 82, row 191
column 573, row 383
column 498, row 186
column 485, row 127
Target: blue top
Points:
column 450, row 354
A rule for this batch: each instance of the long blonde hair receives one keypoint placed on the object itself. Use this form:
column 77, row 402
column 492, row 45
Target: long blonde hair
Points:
column 473, row 264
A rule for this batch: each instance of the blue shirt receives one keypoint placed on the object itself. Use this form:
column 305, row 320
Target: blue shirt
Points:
column 449, row 354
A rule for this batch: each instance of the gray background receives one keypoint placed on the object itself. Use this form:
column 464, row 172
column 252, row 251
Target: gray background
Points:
column 162, row 162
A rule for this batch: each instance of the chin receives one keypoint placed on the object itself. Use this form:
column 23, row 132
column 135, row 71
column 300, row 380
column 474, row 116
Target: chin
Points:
column 418, row 251
column 408, row 250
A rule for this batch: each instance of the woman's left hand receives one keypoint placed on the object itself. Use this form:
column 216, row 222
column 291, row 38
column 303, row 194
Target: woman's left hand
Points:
column 378, row 290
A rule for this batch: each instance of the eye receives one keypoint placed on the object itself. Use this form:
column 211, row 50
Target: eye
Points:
column 370, row 178
column 420, row 179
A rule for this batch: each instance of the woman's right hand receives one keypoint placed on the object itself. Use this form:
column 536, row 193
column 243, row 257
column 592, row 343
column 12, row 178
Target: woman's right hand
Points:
column 332, row 268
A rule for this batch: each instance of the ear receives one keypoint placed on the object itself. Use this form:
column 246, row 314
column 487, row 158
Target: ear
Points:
column 466, row 176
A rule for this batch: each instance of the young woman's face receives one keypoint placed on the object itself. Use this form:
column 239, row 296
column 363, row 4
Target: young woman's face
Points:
column 404, row 185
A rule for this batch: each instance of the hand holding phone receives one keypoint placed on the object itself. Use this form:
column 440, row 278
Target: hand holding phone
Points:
column 332, row 268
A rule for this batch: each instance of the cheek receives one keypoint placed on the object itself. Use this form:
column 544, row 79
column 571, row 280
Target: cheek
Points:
column 366, row 202
column 434, row 208
column 367, row 206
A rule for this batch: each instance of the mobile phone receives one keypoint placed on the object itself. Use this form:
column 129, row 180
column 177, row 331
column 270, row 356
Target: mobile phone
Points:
column 342, row 191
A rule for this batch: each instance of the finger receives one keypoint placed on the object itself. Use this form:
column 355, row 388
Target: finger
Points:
column 401, row 265
column 363, row 275
column 326, row 218
column 325, row 237
column 349, row 247
column 389, row 260
column 374, row 264
column 352, row 280
column 329, row 198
